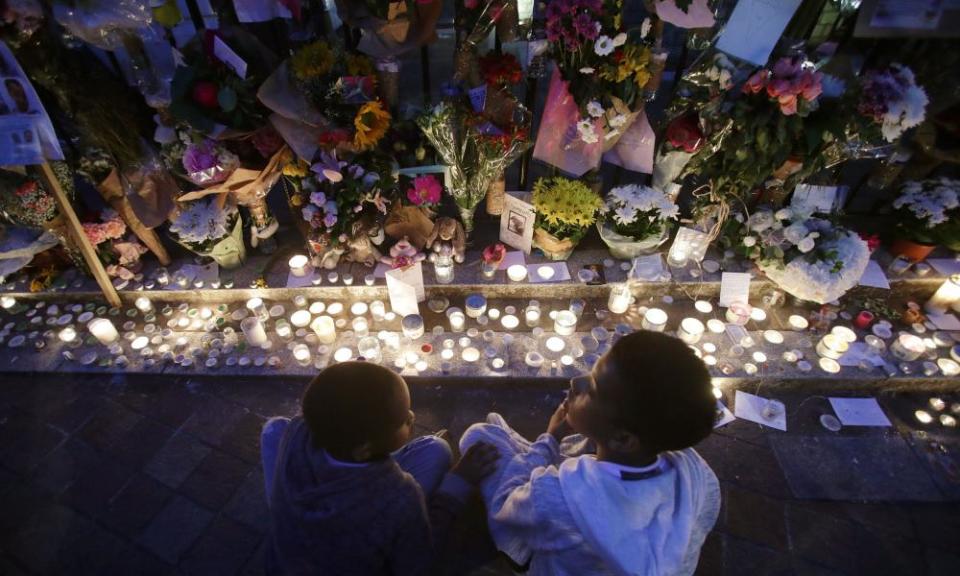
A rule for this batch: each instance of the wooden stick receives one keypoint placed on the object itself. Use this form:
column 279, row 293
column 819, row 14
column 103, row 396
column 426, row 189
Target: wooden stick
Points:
column 87, row 249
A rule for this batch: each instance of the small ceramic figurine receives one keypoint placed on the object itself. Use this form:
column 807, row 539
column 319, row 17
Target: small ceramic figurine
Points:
column 402, row 254
column 447, row 239
column 360, row 247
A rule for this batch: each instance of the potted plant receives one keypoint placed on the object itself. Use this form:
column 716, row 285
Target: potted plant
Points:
column 565, row 211
column 928, row 214
column 637, row 220
column 209, row 229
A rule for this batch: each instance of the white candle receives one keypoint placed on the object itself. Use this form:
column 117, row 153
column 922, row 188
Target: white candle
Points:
column 335, row 308
column 517, row 272
column 907, row 347
column 703, row 306
column 758, row 314
column 947, row 296
column 253, row 331
column 343, row 354
column 103, row 330
column 325, row 329
column 298, row 266
column 509, row 321
column 654, row 320
column 301, row 354
column 948, row 367
column 565, row 323
column 470, row 354
column 691, row 330
column 619, row 300
column 457, row 319
column 716, row 326
column 7, row 302
column 369, row 348
column 532, row 317
column 844, row 333
column 67, row 335
column 377, row 310
column 143, row 304
column 139, row 343
column 283, row 329
column 256, row 306
column 555, row 344
column 923, row 416
column 832, row 346
column 798, row 322
column 358, row 308
column 360, row 326
column 301, row 318
column 773, row 336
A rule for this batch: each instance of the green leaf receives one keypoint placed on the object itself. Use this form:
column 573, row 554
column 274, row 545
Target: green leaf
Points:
column 227, row 98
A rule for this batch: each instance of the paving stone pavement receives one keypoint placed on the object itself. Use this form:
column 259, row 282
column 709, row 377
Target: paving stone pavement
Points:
column 116, row 476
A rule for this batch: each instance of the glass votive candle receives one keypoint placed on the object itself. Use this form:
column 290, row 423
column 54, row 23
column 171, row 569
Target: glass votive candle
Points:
column 103, row 330
column 283, row 330
column 565, row 323
column 360, row 326
column 378, row 310
column 738, row 313
column 343, row 354
column 301, row 353
column 899, row 266
column 864, row 319
column 457, row 319
column 369, row 279
column 253, row 331
column 348, row 279
column 517, row 272
column 577, row 306
column 298, row 266
column 619, row 300
column 832, row 346
column 143, row 304
column 691, row 330
column 68, row 335
column 509, row 321
column 946, row 297
column 257, row 307
column 301, row 318
column 475, row 305
column 907, row 347
column 654, row 320
column 412, row 326
column 531, row 316
column 369, row 348
column 325, row 329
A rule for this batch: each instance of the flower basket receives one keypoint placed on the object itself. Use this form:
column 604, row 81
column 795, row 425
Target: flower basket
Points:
column 625, row 247
column 915, row 251
column 228, row 251
column 554, row 248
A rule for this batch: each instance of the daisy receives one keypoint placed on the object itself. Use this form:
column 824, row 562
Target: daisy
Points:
column 603, row 46
column 595, row 109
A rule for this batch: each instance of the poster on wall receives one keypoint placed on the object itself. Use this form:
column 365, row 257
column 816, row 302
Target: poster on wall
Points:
column 908, row 18
column 26, row 133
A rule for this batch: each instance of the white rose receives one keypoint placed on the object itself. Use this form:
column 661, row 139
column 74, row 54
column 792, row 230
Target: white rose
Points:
column 749, row 241
column 806, row 245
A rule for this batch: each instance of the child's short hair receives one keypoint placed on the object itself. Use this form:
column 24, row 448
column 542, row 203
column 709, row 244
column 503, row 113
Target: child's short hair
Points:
column 663, row 391
column 351, row 403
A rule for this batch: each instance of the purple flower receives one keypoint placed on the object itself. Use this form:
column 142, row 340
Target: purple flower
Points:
column 330, row 220
column 198, row 157
column 331, row 207
column 585, row 26
column 329, row 168
column 318, row 198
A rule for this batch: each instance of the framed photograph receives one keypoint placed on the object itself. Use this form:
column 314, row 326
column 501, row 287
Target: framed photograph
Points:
column 516, row 222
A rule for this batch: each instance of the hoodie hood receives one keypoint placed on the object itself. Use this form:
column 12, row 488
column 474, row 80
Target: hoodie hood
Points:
column 640, row 527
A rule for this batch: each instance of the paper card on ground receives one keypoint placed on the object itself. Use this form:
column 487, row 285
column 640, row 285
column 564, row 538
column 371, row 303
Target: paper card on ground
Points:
column 698, row 14
column 755, row 27
column 944, row 321
column 859, row 412
column 226, row 55
column 547, row 272
column 648, row 268
column 814, row 198
column 405, row 287
column 734, row 287
column 516, row 222
column 724, row 415
column 512, row 258
column 305, row 280
column 752, row 408
column 874, row 276
column 945, row 266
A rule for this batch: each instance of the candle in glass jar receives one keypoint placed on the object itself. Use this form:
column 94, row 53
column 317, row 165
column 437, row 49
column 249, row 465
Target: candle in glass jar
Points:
column 301, row 318
column 343, row 354
column 360, row 326
column 325, row 329
column 476, row 305
column 369, row 348
column 863, row 319
column 103, row 330
column 456, row 318
column 907, row 347
column 691, row 330
column 67, row 335
column 532, row 316
column 298, row 265
column 470, row 354
column 253, row 331
column 283, row 330
column 619, row 300
column 412, row 326
column 301, row 354
column 378, row 310
column 947, row 296
column 565, row 323
column 143, row 304
column 7, row 302
column 654, row 320
column 256, row 306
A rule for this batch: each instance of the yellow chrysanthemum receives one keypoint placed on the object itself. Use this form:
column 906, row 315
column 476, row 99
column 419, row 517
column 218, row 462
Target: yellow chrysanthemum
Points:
column 560, row 202
column 371, row 123
column 359, row 65
column 635, row 63
column 311, row 61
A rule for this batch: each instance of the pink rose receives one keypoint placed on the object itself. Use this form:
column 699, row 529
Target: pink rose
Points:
column 788, row 104
column 813, row 86
column 779, row 87
column 756, row 82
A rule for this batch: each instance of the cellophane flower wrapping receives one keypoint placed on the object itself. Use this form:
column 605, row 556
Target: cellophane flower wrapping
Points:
column 103, row 22
column 558, row 142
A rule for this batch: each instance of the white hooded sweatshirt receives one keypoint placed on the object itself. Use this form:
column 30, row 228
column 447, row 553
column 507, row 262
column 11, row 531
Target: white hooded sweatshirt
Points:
column 580, row 516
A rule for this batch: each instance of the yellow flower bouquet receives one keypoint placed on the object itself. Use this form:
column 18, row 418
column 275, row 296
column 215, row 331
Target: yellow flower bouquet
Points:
column 566, row 209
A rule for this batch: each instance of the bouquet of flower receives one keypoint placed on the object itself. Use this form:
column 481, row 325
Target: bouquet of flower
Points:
column 211, row 227
column 890, row 103
column 425, row 191
column 636, row 220
column 207, row 92
column 565, row 211
column 476, row 151
column 928, row 212
column 120, row 256
column 809, row 257
column 206, row 162
column 500, row 70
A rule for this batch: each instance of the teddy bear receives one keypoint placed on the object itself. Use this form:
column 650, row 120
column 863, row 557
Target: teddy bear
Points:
column 403, row 254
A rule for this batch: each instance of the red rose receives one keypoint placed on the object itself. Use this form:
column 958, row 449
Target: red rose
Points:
column 205, row 94
column 684, row 133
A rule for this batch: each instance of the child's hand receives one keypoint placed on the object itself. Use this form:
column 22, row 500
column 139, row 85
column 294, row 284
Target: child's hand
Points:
column 558, row 427
column 479, row 462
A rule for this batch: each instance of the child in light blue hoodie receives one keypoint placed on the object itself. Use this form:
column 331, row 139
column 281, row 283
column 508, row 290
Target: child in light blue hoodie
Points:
column 644, row 503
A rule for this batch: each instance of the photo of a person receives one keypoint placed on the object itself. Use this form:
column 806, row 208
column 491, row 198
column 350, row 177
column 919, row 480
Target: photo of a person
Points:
column 516, row 223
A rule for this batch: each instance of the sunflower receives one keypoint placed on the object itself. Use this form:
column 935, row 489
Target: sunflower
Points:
column 311, row 61
column 371, row 122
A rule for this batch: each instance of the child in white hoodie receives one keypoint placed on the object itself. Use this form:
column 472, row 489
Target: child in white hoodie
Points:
column 644, row 503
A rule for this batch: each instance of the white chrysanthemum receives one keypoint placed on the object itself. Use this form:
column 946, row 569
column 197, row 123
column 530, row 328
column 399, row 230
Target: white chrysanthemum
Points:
column 625, row 215
column 749, row 241
column 760, row 221
column 201, row 221
column 783, row 214
column 586, row 131
column 594, row 108
column 603, row 46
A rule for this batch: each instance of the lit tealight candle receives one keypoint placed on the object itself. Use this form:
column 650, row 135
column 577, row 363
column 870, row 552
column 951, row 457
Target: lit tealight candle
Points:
column 301, row 354
column 758, row 314
column 67, row 335
column 832, row 346
column 509, row 321
column 470, row 354
column 555, row 344
column 654, row 320
column 691, row 330
column 103, row 330
column 325, row 329
column 845, row 333
column 7, row 302
column 301, row 318
column 358, row 308
column 546, row 272
column 798, row 322
column 517, row 272
column 923, row 416
column 703, row 306
column 298, row 267
column 335, row 308
column 948, row 367
column 139, row 343
column 343, row 354
column 143, row 304
column 716, row 326
column 773, row 336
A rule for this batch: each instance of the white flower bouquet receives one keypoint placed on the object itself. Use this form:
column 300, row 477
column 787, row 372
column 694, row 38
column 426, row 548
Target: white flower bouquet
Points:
column 928, row 212
column 208, row 229
column 636, row 220
column 811, row 258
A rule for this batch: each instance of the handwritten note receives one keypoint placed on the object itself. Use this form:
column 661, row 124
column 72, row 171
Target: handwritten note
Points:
column 734, row 287
column 755, row 27
column 859, row 412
